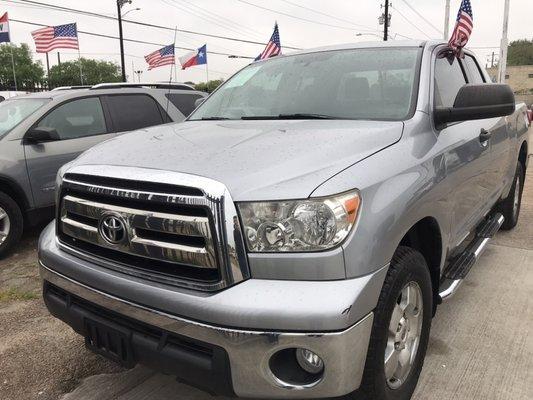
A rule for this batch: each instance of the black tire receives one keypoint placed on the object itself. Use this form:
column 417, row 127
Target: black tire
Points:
column 407, row 266
column 16, row 224
column 507, row 206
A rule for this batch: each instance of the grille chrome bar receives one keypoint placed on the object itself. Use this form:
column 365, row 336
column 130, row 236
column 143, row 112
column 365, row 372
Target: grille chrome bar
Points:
column 181, row 229
column 157, row 222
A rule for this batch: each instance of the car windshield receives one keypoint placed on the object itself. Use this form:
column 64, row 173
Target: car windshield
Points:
column 13, row 112
column 376, row 84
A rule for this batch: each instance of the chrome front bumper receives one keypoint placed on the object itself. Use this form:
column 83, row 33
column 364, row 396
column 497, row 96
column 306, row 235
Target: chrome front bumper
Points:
column 249, row 351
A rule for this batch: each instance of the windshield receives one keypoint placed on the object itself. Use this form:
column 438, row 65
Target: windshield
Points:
column 341, row 84
column 13, row 112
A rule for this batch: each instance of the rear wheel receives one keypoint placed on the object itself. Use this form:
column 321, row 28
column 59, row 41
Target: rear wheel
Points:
column 510, row 207
column 11, row 223
column 400, row 333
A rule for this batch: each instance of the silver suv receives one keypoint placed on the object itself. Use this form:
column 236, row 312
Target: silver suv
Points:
column 41, row 132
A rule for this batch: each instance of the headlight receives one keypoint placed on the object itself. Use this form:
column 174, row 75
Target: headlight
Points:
column 299, row 225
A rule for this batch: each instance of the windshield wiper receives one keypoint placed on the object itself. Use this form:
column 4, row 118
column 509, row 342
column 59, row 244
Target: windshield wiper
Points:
column 211, row 119
column 290, row 116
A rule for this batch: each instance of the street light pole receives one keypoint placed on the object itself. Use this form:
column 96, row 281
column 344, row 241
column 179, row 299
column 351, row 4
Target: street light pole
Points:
column 120, row 4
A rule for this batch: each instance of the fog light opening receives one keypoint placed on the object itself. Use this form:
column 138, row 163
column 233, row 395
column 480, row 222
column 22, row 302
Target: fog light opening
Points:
column 309, row 361
column 297, row 367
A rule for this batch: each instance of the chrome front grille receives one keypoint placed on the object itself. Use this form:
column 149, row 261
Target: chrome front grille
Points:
column 170, row 232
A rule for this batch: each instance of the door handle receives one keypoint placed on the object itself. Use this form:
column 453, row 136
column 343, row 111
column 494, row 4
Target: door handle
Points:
column 484, row 135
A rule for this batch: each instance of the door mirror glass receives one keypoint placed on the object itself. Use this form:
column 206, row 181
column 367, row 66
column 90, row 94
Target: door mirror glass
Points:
column 477, row 102
column 198, row 102
column 40, row 135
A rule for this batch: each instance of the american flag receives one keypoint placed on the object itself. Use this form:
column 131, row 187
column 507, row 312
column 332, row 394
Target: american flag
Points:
column 463, row 27
column 158, row 58
column 273, row 47
column 56, row 37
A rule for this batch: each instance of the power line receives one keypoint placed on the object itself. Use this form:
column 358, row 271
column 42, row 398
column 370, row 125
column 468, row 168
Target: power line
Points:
column 93, row 14
column 328, row 15
column 422, row 16
column 202, row 15
column 294, row 16
column 126, row 39
column 218, row 17
column 410, row 23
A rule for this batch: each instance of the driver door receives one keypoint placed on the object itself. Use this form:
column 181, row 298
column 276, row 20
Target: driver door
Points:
column 80, row 124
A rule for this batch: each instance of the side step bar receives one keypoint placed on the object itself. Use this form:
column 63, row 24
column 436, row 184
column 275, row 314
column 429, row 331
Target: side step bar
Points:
column 459, row 267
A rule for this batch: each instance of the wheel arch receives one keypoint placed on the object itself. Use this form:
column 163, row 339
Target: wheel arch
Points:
column 522, row 155
column 13, row 190
column 425, row 236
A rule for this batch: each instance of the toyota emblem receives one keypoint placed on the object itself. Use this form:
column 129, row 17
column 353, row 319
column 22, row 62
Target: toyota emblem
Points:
column 112, row 228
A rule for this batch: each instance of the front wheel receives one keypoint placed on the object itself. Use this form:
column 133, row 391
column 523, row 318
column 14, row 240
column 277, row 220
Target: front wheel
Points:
column 400, row 333
column 11, row 224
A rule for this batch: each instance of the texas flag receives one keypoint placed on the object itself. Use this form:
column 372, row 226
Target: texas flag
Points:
column 4, row 29
column 193, row 58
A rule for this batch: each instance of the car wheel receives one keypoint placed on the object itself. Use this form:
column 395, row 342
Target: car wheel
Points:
column 11, row 223
column 510, row 207
column 400, row 333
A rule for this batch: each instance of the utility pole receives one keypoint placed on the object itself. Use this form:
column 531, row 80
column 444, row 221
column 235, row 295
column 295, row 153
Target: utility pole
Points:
column 502, row 64
column 447, row 20
column 120, row 4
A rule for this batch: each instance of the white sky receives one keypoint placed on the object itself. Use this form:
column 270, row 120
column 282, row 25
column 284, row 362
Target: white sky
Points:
column 236, row 19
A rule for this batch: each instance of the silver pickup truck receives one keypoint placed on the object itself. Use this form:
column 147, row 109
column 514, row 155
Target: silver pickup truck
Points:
column 294, row 236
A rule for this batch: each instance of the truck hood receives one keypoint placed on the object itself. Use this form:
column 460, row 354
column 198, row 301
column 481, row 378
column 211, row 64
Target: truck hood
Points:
column 256, row 160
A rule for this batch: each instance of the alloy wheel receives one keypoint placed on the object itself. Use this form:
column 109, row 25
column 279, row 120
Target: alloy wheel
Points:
column 404, row 333
column 5, row 225
column 516, row 199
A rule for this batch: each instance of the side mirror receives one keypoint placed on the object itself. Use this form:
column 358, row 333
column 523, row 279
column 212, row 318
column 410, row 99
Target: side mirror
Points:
column 40, row 135
column 199, row 101
column 477, row 102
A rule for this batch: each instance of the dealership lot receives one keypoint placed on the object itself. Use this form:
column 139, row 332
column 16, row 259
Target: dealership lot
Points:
column 480, row 342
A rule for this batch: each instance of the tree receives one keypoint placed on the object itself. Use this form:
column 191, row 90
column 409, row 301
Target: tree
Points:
column 94, row 72
column 520, row 52
column 208, row 86
column 29, row 73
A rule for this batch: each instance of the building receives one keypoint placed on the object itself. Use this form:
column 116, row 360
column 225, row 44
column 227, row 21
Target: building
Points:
column 519, row 77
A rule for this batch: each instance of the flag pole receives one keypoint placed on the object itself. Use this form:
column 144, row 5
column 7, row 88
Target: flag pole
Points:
column 81, row 68
column 174, row 65
column 207, row 74
column 13, row 65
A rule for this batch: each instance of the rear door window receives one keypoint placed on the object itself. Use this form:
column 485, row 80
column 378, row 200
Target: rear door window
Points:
column 183, row 102
column 133, row 111
column 474, row 72
column 76, row 119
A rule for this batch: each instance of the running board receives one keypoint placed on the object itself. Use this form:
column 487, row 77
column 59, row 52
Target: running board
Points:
column 459, row 267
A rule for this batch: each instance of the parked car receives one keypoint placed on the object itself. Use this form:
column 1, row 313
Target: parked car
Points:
column 4, row 95
column 41, row 132
column 293, row 237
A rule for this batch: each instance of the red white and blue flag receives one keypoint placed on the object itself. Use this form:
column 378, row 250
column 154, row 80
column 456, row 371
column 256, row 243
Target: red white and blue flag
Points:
column 4, row 29
column 161, row 57
column 463, row 27
column 273, row 47
column 56, row 37
column 198, row 57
